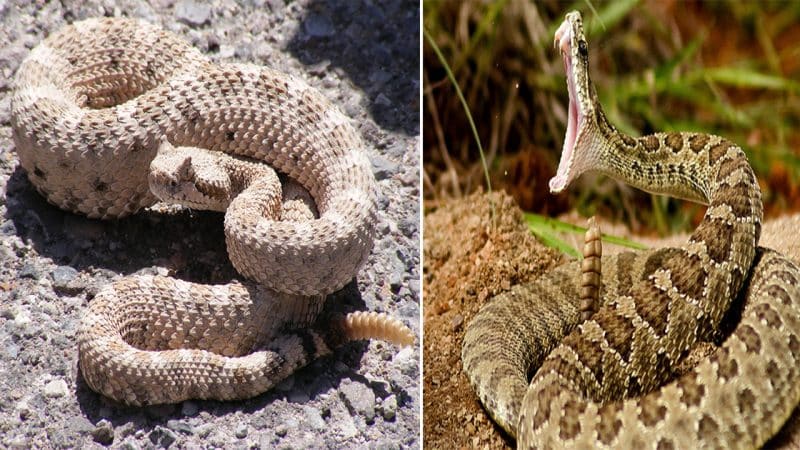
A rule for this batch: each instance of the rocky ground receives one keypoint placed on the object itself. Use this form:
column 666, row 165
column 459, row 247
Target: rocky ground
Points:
column 364, row 56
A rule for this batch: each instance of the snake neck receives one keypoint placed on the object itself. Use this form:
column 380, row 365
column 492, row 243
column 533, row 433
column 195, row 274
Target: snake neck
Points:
column 699, row 167
column 202, row 179
column 710, row 268
column 655, row 163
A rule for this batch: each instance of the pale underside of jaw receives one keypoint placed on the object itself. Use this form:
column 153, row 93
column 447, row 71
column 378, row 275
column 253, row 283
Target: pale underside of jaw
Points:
column 558, row 183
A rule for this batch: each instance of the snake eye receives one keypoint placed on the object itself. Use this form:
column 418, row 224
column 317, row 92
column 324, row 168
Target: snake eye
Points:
column 582, row 48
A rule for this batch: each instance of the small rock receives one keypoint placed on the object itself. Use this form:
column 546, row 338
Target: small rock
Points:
column 346, row 427
column 403, row 292
column 162, row 437
column 55, row 388
column 389, row 407
column 180, row 426
column 204, row 430
column 193, row 13
column 19, row 442
column 226, row 51
column 406, row 362
column 281, row 430
column 8, row 314
column 13, row 394
column 29, row 271
column 8, row 228
column 325, row 412
column 103, row 433
column 380, row 386
column 409, row 311
column 63, row 275
column 408, row 227
column 382, row 168
column 50, row 309
column 456, row 322
column 260, row 422
column 411, row 179
column 383, row 201
column 65, row 279
column 398, row 149
column 359, row 399
column 317, row 25
column 80, row 425
column 266, row 441
column 24, row 409
column 396, row 268
column 413, row 284
column 61, row 438
column 396, row 276
column 351, row 109
column 405, row 256
column 130, row 445
column 241, row 431
column 386, row 445
column 314, row 418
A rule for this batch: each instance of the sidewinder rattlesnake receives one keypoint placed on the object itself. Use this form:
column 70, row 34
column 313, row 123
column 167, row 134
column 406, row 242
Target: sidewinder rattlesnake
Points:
column 94, row 104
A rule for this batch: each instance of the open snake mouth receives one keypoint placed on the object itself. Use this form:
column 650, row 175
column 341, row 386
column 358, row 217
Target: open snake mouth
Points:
column 563, row 40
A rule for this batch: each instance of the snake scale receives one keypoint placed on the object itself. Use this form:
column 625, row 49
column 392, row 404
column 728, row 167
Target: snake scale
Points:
column 99, row 110
column 612, row 381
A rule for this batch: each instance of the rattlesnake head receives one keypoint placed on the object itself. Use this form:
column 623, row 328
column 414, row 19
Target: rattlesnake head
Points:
column 581, row 117
column 190, row 176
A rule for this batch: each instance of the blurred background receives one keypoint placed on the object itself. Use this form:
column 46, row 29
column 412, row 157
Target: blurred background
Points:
column 725, row 67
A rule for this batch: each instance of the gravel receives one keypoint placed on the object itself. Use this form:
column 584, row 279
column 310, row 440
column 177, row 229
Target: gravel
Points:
column 359, row 399
column 363, row 55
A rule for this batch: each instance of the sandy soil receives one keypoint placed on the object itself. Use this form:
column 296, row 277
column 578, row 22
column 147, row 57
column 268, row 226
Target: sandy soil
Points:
column 466, row 260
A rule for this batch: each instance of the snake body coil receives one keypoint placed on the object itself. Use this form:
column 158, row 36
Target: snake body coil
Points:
column 598, row 383
column 91, row 105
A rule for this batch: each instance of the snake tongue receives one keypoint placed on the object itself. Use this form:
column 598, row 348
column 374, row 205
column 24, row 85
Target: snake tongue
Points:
column 564, row 174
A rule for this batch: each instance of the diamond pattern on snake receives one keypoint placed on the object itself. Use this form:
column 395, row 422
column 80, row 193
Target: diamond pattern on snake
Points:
column 110, row 114
column 613, row 380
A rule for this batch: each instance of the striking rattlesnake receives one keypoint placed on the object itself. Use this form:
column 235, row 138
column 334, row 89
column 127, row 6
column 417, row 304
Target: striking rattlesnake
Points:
column 94, row 104
column 596, row 383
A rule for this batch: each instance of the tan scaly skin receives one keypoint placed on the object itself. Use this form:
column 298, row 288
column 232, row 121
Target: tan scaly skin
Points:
column 93, row 105
column 600, row 383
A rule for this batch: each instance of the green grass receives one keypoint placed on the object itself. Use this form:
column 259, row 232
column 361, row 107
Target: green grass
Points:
column 649, row 78
column 546, row 229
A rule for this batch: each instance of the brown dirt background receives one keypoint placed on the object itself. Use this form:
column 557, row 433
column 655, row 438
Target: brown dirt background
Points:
column 467, row 259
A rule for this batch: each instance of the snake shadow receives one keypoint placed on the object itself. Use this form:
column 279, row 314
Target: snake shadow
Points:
column 376, row 44
column 135, row 245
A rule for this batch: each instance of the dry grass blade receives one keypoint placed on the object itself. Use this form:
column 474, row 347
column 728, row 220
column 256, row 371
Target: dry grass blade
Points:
column 443, row 61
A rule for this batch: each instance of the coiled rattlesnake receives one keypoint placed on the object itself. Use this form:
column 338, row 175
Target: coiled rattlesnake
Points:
column 596, row 383
column 93, row 105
